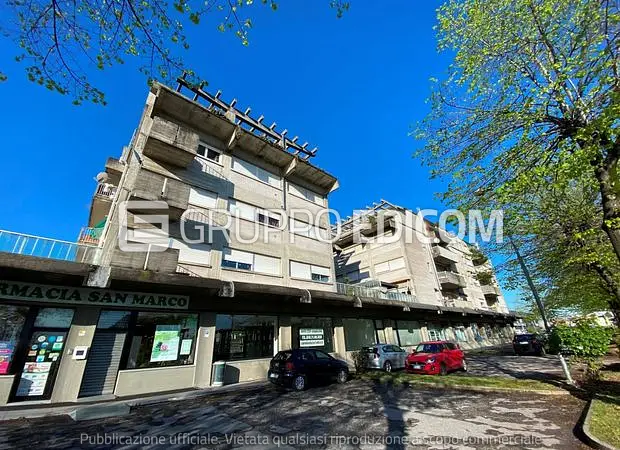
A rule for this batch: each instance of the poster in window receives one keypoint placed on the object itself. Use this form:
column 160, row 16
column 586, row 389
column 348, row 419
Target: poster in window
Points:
column 186, row 347
column 165, row 343
column 6, row 353
column 311, row 337
column 33, row 379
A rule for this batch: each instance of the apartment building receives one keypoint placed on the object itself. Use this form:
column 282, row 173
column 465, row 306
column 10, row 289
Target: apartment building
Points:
column 207, row 242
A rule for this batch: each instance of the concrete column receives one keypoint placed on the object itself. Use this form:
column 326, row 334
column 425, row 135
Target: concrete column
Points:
column 390, row 336
column 204, row 349
column 285, row 334
column 339, row 344
column 424, row 332
column 70, row 371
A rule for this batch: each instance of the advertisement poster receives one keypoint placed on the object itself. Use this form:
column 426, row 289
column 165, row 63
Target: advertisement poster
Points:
column 186, row 347
column 6, row 353
column 33, row 379
column 311, row 337
column 165, row 343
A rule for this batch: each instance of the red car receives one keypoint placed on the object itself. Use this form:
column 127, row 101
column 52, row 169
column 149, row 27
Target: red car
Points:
column 436, row 357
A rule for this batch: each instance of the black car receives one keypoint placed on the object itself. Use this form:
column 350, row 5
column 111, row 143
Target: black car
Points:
column 302, row 366
column 529, row 343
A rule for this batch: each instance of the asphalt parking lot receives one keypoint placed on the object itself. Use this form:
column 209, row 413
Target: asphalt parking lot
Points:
column 505, row 363
column 356, row 415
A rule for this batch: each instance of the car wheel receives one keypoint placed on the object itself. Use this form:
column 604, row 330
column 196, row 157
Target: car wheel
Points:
column 342, row 377
column 443, row 369
column 464, row 365
column 387, row 366
column 299, row 383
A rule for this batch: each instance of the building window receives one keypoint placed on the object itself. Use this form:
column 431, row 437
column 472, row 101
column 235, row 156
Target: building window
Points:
column 358, row 333
column 255, row 172
column 306, row 194
column 306, row 229
column 309, row 272
column 435, row 333
column 202, row 198
column 408, row 333
column 313, row 332
column 12, row 320
column 54, row 318
column 208, row 152
column 237, row 259
column 163, row 339
column 249, row 212
column 196, row 254
column 240, row 337
column 460, row 334
column 391, row 265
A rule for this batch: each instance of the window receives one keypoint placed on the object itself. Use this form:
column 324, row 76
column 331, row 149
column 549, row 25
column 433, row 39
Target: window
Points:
column 12, row 320
column 255, row 172
column 306, row 229
column 313, row 332
column 249, row 212
column 459, row 333
column 435, row 333
column 208, row 152
column 163, row 339
column 243, row 337
column 306, row 194
column 197, row 254
column 309, row 272
column 113, row 319
column 321, row 355
column 408, row 332
column 388, row 266
column 202, row 198
column 237, row 259
column 54, row 318
column 358, row 333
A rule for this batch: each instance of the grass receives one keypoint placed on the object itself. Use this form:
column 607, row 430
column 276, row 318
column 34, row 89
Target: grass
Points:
column 457, row 381
column 604, row 420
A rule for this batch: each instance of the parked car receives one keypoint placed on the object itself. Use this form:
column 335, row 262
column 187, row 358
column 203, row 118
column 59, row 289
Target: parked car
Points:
column 300, row 367
column 436, row 357
column 385, row 356
column 529, row 343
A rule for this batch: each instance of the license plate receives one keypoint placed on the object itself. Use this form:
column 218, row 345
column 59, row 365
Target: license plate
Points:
column 417, row 366
column 273, row 375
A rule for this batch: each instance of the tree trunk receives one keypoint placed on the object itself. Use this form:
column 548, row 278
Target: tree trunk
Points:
column 605, row 170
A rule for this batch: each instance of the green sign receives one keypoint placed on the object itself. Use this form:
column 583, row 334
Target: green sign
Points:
column 165, row 343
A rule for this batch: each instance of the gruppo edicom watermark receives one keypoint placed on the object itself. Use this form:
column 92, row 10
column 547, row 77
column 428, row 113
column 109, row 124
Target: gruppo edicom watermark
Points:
column 150, row 226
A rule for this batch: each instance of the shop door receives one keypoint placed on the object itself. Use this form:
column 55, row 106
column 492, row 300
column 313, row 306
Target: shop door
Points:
column 102, row 364
column 41, row 364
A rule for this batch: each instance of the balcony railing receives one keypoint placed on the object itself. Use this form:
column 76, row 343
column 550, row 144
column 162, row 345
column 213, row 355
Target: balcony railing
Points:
column 444, row 255
column 106, row 190
column 451, row 279
column 89, row 235
column 25, row 244
column 489, row 289
column 359, row 291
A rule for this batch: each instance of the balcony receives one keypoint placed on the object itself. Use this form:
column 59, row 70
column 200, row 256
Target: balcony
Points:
column 490, row 290
column 443, row 255
column 39, row 247
column 171, row 143
column 450, row 280
column 362, row 291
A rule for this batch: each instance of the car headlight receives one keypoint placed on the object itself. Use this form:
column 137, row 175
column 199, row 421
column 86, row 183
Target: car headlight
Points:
column 430, row 360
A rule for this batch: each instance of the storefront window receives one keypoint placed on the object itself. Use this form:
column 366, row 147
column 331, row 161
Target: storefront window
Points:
column 163, row 339
column 460, row 334
column 243, row 337
column 408, row 332
column 313, row 332
column 435, row 333
column 358, row 333
column 54, row 318
column 12, row 320
column 113, row 319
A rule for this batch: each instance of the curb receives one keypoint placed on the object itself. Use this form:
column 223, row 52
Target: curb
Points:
column 15, row 413
column 590, row 438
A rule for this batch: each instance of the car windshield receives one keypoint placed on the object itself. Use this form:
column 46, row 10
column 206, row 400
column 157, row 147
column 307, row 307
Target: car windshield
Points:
column 282, row 356
column 523, row 337
column 428, row 348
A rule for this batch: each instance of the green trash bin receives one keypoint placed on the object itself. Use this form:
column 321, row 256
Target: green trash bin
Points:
column 218, row 373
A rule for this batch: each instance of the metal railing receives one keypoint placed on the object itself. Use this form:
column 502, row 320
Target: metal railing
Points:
column 359, row 291
column 106, row 190
column 26, row 244
column 89, row 235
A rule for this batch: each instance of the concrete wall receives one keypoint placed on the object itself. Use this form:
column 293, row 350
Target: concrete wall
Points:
column 249, row 370
column 6, row 383
column 160, row 379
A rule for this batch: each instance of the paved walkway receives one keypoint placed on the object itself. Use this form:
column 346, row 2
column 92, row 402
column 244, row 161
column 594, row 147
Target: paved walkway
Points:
column 357, row 415
column 530, row 367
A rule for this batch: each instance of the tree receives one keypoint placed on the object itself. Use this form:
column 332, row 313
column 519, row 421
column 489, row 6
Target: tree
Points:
column 534, row 84
column 62, row 42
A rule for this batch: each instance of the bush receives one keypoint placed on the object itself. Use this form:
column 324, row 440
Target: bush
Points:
column 360, row 360
column 585, row 339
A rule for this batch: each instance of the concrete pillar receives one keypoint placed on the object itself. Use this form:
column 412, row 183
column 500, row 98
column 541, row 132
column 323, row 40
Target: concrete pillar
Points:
column 339, row 344
column 204, row 349
column 390, row 336
column 70, row 371
column 285, row 335
column 424, row 332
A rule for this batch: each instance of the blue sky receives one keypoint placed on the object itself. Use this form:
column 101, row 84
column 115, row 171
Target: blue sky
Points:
column 352, row 86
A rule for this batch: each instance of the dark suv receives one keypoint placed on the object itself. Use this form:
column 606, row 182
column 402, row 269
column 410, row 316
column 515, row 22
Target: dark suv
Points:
column 529, row 343
column 302, row 366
